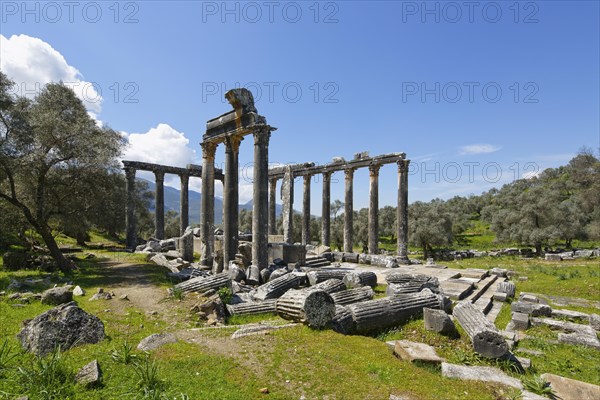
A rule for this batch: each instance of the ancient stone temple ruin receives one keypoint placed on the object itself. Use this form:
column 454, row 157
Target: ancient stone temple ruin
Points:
column 230, row 129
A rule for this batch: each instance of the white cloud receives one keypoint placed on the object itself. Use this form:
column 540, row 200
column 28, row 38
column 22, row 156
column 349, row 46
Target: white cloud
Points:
column 32, row 63
column 160, row 145
column 479, row 149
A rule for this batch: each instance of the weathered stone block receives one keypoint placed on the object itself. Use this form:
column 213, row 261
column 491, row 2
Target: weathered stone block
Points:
column 485, row 374
column 535, row 310
column 520, row 321
column 438, row 321
column 57, row 295
column 289, row 253
column 413, row 351
column 570, row 389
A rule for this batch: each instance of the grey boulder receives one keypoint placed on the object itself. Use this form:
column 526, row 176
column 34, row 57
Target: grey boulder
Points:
column 64, row 326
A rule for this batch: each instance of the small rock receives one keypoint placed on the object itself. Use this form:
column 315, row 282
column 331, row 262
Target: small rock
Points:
column 156, row 340
column 523, row 278
column 101, row 296
column 264, row 391
column 123, row 297
column 89, row 375
column 78, row 291
column 438, row 321
column 57, row 295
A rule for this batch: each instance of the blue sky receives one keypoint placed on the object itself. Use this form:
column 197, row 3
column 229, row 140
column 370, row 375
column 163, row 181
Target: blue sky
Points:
column 476, row 97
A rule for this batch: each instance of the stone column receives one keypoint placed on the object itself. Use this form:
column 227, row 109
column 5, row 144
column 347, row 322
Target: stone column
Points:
column 287, row 199
column 230, row 200
column 260, row 207
column 402, row 210
column 374, row 209
column 326, row 209
column 130, row 215
column 272, row 206
column 159, row 205
column 306, row 210
column 348, row 210
column 207, row 211
column 184, row 207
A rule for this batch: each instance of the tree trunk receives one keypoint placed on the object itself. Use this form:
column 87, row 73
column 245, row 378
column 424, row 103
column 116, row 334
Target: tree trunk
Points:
column 64, row 264
column 538, row 249
column 424, row 251
column 569, row 244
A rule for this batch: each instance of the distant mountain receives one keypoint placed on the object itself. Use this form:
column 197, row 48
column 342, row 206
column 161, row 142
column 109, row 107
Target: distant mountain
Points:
column 172, row 196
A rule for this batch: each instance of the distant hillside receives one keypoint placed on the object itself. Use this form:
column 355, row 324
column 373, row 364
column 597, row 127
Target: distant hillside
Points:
column 172, row 203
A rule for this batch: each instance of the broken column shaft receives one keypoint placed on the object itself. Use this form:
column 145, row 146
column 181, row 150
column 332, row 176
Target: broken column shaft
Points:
column 374, row 315
column 314, row 308
column 486, row 338
column 258, row 307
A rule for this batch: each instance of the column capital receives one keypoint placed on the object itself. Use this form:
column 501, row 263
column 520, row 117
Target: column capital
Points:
column 374, row 170
column 130, row 172
column 208, row 150
column 261, row 136
column 232, row 143
column 403, row 165
column 327, row 174
column 185, row 178
column 349, row 173
column 159, row 176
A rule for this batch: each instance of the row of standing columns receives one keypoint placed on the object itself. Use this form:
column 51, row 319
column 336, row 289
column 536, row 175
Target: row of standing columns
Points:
column 159, row 201
column 373, row 235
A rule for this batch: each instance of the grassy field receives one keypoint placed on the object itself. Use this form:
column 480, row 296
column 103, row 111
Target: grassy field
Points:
column 292, row 362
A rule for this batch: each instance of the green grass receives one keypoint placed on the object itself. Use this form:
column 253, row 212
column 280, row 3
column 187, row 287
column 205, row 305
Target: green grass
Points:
column 569, row 278
column 290, row 362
